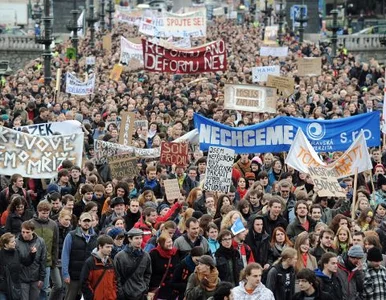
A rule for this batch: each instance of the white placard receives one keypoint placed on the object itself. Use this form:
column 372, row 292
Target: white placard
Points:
column 218, row 176
column 260, row 74
column 274, row 51
column 130, row 51
column 54, row 128
column 76, row 87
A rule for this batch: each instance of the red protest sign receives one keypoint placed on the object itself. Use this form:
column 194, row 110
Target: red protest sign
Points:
column 174, row 154
column 210, row 57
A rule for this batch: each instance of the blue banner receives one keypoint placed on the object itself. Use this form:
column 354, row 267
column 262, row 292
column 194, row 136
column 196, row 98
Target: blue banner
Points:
column 276, row 135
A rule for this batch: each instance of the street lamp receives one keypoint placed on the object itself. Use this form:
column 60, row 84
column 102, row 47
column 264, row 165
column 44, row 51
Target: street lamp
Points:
column 102, row 15
column 110, row 10
column 301, row 19
column 91, row 20
column 74, row 27
column 45, row 38
column 281, row 22
column 267, row 15
column 334, row 28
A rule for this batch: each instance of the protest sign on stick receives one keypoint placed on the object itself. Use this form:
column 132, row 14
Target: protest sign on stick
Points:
column 77, row 87
column 260, row 74
column 250, row 98
column 107, row 41
column 325, row 182
column 284, row 85
column 218, row 176
column 309, row 66
column 116, row 72
column 127, row 128
column 123, row 166
column 174, row 153
column 172, row 189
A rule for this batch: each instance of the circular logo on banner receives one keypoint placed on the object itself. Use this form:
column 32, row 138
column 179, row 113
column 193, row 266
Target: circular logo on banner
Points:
column 316, row 131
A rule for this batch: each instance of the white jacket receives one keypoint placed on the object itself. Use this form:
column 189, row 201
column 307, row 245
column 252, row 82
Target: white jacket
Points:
column 260, row 293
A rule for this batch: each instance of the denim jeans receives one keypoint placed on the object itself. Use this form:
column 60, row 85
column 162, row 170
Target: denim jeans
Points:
column 3, row 296
column 57, row 291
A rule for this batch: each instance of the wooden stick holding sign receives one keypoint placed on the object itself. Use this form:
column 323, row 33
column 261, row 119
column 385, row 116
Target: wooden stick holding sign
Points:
column 354, row 196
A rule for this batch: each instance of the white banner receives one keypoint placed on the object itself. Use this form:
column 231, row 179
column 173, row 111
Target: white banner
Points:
column 248, row 97
column 183, row 43
column 130, row 51
column 36, row 156
column 219, row 11
column 132, row 17
column 104, row 150
column 218, row 175
column 260, row 74
column 274, row 51
column 184, row 25
column 76, row 87
column 302, row 156
column 51, row 129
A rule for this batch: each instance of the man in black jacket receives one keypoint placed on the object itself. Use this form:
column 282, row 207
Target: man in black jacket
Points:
column 303, row 221
column 274, row 218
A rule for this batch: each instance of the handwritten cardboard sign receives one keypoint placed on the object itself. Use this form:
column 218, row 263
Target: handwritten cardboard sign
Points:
column 172, row 189
column 127, row 128
column 310, row 66
column 174, row 154
column 325, row 182
column 123, row 166
column 284, row 85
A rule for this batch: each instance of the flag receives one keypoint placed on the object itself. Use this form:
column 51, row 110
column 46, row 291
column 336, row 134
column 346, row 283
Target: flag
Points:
column 237, row 227
column 356, row 158
column 384, row 107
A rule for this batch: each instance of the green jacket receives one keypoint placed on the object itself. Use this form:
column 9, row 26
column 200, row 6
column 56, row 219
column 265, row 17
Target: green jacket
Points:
column 49, row 232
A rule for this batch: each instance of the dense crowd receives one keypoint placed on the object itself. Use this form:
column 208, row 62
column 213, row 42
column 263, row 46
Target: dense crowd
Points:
column 86, row 233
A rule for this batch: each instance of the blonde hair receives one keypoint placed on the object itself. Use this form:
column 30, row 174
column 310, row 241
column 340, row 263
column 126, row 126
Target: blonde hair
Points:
column 336, row 239
column 226, row 222
column 186, row 215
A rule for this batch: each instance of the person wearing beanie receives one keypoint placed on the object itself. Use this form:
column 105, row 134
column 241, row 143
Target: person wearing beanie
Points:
column 350, row 272
column 118, row 236
column 250, row 177
column 374, row 276
column 380, row 194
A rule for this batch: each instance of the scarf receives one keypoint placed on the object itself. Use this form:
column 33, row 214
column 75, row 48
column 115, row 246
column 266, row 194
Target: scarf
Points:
column 211, row 277
column 304, row 259
column 165, row 253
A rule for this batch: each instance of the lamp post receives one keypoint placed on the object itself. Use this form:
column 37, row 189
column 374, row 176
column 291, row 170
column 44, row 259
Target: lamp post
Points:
column 334, row 28
column 73, row 26
column 91, row 20
column 281, row 22
column 110, row 10
column 301, row 19
column 267, row 15
column 46, row 40
column 102, row 15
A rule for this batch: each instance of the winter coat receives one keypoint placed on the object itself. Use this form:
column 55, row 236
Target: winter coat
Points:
column 352, row 281
column 107, row 288
column 295, row 228
column 382, row 236
column 14, row 221
column 37, row 270
column 261, row 293
column 332, row 285
column 12, row 260
column 318, row 295
column 281, row 282
column 181, row 275
column 374, row 283
column 49, row 232
column 194, row 290
column 270, row 225
column 329, row 213
column 319, row 251
column 131, row 219
column 158, row 268
column 63, row 231
column 184, row 245
column 147, row 231
column 259, row 244
column 134, row 281
column 229, row 264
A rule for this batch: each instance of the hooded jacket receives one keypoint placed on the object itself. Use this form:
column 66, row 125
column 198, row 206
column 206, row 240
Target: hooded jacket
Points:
column 295, row 228
column 107, row 288
column 332, row 285
column 382, row 236
column 134, row 280
column 259, row 243
column 351, row 278
column 261, row 293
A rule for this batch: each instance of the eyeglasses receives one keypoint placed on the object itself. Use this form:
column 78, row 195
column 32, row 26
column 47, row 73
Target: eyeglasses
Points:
column 226, row 239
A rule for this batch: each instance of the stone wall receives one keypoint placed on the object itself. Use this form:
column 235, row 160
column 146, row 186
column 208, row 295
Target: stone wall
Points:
column 62, row 13
column 18, row 59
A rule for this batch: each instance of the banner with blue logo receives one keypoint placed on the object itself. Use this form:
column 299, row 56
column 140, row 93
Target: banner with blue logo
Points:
column 277, row 135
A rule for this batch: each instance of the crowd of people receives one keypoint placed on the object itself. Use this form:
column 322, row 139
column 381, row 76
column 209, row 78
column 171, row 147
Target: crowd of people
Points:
column 86, row 234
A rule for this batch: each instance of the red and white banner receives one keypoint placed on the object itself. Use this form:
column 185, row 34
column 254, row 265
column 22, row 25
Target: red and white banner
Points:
column 210, row 57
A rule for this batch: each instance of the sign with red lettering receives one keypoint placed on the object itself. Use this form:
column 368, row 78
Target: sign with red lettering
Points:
column 210, row 57
column 174, row 154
